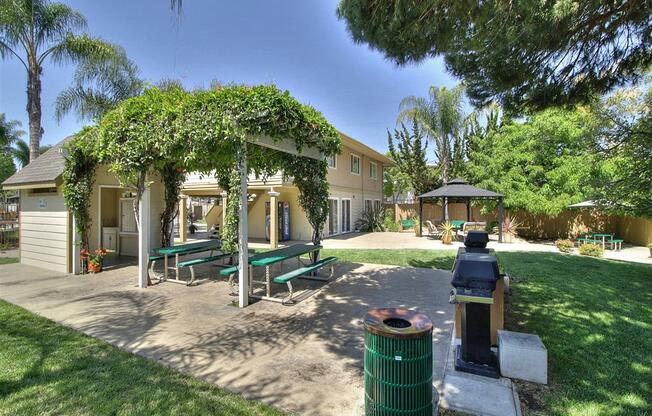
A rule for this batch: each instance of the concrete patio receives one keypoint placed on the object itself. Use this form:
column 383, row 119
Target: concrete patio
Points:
column 305, row 358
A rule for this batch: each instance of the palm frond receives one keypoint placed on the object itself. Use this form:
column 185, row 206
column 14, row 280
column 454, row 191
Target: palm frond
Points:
column 75, row 48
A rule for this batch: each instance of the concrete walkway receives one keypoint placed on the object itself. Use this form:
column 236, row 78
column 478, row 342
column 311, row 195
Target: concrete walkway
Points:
column 305, row 358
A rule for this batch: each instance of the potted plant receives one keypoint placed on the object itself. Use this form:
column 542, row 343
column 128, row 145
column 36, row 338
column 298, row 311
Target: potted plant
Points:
column 510, row 226
column 447, row 230
column 95, row 260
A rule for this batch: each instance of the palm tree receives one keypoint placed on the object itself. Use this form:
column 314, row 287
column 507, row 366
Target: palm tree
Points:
column 9, row 133
column 34, row 31
column 440, row 117
column 99, row 86
column 21, row 152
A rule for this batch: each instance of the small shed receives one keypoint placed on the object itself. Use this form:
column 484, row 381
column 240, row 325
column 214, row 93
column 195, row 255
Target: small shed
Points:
column 460, row 191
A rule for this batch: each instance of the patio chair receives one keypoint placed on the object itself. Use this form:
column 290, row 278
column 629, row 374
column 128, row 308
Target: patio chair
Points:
column 433, row 232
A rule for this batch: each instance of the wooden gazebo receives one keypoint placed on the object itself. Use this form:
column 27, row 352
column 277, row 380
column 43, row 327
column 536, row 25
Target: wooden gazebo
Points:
column 459, row 191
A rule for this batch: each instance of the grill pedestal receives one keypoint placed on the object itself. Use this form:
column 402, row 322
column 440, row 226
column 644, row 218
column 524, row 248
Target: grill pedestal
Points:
column 475, row 355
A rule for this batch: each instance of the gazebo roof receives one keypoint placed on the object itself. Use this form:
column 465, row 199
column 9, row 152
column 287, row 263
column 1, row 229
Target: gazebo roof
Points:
column 459, row 188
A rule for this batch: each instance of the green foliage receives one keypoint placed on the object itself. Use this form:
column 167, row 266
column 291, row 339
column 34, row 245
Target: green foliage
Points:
column 530, row 54
column 565, row 246
column 388, row 221
column 541, row 165
column 408, row 151
column 395, row 182
column 626, row 141
column 371, row 220
column 9, row 132
column 7, row 167
column 78, row 178
column 172, row 178
column 447, row 230
column 440, row 119
column 204, row 131
column 592, row 250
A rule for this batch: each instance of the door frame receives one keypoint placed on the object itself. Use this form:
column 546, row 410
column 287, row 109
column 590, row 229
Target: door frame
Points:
column 339, row 208
column 342, row 215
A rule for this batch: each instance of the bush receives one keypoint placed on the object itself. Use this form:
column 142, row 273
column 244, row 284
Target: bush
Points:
column 593, row 250
column 388, row 221
column 565, row 246
column 491, row 227
column 371, row 220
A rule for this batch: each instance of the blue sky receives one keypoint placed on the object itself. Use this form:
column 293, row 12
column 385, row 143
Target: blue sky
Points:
column 298, row 45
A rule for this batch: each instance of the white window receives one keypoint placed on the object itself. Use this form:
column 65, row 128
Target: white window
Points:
column 368, row 204
column 373, row 170
column 127, row 217
column 355, row 164
column 333, row 216
column 377, row 204
column 332, row 161
column 346, row 215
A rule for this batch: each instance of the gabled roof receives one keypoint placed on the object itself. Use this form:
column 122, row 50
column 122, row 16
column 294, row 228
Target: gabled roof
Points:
column 459, row 188
column 46, row 169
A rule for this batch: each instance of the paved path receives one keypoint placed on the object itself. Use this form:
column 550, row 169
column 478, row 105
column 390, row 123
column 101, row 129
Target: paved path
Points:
column 305, row 358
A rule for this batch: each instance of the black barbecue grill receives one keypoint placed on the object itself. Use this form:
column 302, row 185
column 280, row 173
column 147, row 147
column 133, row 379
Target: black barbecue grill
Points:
column 474, row 280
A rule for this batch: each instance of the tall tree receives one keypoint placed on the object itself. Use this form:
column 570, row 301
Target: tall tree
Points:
column 34, row 31
column 531, row 54
column 98, row 86
column 395, row 183
column 408, row 150
column 9, row 133
column 626, row 142
column 440, row 118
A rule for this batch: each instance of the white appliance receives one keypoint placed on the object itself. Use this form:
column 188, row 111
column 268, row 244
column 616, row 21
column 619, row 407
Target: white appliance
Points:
column 110, row 238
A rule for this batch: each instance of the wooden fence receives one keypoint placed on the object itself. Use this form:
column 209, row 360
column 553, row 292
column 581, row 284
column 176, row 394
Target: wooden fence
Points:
column 567, row 224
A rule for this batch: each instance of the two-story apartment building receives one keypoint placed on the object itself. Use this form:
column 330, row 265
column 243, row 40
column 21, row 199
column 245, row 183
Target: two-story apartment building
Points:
column 355, row 179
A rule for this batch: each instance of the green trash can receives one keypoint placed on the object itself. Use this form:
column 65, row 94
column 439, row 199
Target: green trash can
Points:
column 397, row 363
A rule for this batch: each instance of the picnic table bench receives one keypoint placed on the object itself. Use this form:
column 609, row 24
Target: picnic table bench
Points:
column 269, row 258
column 164, row 253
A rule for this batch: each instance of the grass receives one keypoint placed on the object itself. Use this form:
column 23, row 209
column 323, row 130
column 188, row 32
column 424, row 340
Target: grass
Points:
column 48, row 369
column 8, row 260
column 593, row 315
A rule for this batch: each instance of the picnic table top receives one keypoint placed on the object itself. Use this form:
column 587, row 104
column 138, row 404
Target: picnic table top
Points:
column 275, row 256
column 190, row 247
column 602, row 234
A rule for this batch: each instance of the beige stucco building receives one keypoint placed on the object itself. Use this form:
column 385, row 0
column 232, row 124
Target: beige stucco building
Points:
column 355, row 179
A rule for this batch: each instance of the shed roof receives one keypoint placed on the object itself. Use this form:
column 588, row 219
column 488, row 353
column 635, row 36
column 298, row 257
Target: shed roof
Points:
column 47, row 168
column 459, row 188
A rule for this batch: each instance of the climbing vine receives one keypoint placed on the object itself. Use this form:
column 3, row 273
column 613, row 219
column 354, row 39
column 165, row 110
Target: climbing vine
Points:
column 170, row 130
column 172, row 178
column 79, row 177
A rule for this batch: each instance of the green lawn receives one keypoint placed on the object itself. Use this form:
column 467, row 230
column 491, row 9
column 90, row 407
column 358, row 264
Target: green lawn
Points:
column 48, row 369
column 594, row 316
column 8, row 260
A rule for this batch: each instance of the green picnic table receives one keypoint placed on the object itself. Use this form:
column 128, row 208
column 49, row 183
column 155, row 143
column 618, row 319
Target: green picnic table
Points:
column 267, row 259
column 181, row 250
column 603, row 237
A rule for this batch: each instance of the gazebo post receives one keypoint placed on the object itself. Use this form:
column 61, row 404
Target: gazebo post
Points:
column 500, row 220
column 443, row 209
column 420, row 217
column 468, row 210
column 243, row 249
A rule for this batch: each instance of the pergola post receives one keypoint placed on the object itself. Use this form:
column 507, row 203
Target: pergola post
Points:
column 243, row 237
column 143, row 237
column 420, row 217
column 223, row 194
column 500, row 220
column 183, row 219
column 273, row 219
column 75, row 246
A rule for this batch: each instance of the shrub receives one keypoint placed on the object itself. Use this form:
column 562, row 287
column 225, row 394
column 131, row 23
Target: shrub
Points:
column 593, row 250
column 491, row 227
column 565, row 246
column 371, row 220
column 388, row 221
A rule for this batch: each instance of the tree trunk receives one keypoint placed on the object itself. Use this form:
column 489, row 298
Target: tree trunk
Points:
column 34, row 111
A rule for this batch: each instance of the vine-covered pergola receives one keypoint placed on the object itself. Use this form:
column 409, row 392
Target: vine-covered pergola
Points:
column 229, row 132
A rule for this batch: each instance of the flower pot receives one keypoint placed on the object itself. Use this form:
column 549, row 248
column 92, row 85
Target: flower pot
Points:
column 94, row 267
column 447, row 239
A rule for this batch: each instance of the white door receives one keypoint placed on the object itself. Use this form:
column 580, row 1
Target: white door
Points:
column 346, row 215
column 333, row 216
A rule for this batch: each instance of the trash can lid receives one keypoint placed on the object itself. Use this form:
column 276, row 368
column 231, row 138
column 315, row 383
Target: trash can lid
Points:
column 397, row 323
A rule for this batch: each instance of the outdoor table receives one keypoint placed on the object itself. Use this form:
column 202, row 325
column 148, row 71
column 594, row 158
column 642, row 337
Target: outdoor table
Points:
column 602, row 237
column 185, row 249
column 268, row 258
